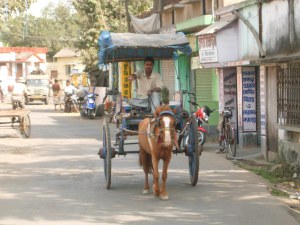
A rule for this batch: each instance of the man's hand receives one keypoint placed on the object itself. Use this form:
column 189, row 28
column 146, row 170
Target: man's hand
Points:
column 132, row 77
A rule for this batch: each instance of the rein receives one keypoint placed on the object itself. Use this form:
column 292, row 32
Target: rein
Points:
column 150, row 130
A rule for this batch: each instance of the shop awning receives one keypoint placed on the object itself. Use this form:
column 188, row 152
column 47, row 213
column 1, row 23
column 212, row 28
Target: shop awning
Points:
column 219, row 25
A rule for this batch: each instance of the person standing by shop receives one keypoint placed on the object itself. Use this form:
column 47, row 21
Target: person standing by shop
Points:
column 56, row 94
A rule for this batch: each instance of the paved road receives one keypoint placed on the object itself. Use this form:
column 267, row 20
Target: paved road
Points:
column 56, row 177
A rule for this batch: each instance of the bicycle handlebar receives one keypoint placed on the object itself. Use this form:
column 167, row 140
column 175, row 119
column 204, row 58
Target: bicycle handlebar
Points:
column 186, row 92
column 194, row 103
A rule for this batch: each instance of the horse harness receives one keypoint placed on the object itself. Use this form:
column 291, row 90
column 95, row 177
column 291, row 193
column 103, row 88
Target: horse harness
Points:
column 154, row 123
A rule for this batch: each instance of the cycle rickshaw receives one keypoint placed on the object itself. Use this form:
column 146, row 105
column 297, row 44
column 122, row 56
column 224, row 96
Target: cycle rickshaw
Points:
column 20, row 117
column 129, row 47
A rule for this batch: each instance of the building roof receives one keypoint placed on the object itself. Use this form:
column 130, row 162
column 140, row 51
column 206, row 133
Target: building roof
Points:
column 215, row 27
column 22, row 57
column 67, row 53
column 23, row 49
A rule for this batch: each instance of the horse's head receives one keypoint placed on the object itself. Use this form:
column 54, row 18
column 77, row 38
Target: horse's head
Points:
column 165, row 124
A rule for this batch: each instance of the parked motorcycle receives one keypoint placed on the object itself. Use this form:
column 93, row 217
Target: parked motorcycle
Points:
column 202, row 115
column 71, row 103
column 89, row 106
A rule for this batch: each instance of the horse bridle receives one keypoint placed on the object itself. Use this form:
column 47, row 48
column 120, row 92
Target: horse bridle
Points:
column 156, row 123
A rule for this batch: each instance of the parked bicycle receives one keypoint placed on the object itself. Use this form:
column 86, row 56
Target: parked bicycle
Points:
column 228, row 138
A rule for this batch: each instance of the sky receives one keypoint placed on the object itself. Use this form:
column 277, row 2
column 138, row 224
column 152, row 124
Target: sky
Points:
column 35, row 8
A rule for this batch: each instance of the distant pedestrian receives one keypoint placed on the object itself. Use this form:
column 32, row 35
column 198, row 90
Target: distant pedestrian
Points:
column 56, row 94
column 1, row 92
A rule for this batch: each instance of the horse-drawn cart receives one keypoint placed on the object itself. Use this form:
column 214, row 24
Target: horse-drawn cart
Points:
column 127, row 117
column 19, row 117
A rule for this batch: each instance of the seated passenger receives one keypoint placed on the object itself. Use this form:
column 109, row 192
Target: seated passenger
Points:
column 148, row 86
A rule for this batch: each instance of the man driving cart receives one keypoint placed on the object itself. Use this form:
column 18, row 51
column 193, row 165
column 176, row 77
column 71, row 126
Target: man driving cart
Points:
column 148, row 86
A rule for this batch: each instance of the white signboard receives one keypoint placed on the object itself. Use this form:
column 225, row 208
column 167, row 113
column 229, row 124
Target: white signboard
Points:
column 262, row 99
column 207, row 49
column 229, row 88
column 240, row 98
column 249, row 99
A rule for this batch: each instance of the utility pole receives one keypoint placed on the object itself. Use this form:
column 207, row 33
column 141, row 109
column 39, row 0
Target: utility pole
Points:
column 26, row 13
column 127, row 16
column 292, row 25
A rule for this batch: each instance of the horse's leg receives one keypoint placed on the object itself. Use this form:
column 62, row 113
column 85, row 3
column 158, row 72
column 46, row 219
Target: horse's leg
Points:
column 155, row 176
column 163, row 193
column 144, row 163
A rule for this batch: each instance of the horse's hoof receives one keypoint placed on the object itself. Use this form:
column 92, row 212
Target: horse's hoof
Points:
column 145, row 191
column 165, row 197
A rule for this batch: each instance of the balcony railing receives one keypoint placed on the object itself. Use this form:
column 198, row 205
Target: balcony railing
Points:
column 169, row 2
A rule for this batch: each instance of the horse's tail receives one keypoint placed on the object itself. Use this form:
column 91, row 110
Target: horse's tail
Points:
column 145, row 161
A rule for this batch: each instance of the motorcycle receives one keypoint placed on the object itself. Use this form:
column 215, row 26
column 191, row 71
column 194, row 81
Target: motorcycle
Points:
column 89, row 106
column 202, row 115
column 71, row 102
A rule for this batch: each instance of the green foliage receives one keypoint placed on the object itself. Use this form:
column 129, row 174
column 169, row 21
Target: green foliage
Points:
column 10, row 7
column 165, row 95
column 95, row 16
column 277, row 192
column 55, row 30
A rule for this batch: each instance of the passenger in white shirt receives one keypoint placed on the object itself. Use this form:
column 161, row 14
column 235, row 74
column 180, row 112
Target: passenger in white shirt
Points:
column 19, row 92
column 69, row 89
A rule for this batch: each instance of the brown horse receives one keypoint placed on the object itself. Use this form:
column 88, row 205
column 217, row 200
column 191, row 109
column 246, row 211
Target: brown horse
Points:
column 156, row 140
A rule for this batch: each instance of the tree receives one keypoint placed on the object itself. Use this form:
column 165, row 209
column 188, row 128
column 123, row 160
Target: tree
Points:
column 10, row 7
column 55, row 30
column 98, row 15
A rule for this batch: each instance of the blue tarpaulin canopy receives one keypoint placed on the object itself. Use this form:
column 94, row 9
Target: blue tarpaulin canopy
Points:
column 121, row 47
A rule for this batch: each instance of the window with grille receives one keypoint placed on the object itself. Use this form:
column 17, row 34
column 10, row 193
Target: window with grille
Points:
column 288, row 94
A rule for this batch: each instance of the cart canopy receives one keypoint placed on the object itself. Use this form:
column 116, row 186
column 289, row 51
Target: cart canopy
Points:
column 121, row 47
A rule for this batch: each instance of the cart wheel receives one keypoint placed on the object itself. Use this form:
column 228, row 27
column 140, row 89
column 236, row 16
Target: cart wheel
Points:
column 107, row 147
column 25, row 126
column 193, row 146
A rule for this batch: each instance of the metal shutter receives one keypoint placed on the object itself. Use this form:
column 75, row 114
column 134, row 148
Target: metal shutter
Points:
column 203, row 86
column 168, row 75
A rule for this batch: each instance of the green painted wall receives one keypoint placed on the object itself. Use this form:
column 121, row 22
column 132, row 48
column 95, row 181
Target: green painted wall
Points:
column 183, row 69
column 207, row 91
column 195, row 22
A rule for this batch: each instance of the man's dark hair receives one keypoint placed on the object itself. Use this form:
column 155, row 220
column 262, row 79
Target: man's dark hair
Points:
column 149, row 59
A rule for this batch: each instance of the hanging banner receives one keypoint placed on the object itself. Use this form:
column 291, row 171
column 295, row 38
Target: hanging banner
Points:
column 125, row 83
column 249, row 99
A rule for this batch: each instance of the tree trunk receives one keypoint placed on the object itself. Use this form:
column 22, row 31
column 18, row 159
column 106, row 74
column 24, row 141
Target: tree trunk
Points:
column 127, row 16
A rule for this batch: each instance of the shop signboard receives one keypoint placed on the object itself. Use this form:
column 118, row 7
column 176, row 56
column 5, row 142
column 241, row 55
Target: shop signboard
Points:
column 125, row 83
column 239, row 98
column 249, row 99
column 230, row 92
column 207, row 49
column 262, row 83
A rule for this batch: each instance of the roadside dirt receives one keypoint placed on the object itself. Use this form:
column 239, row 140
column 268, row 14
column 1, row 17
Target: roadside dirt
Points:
column 284, row 181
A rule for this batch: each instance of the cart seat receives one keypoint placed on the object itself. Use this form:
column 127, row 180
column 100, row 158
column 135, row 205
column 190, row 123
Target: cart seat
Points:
column 174, row 104
column 137, row 103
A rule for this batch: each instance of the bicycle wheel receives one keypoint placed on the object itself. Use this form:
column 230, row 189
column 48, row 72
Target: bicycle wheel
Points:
column 193, row 151
column 231, row 141
column 202, row 137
